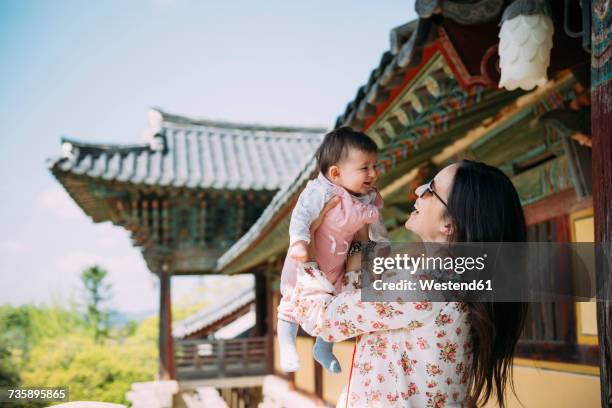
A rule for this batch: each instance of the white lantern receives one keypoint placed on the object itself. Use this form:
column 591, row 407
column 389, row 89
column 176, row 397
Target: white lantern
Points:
column 524, row 47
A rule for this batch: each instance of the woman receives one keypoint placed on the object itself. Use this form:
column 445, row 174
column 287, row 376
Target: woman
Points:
column 428, row 354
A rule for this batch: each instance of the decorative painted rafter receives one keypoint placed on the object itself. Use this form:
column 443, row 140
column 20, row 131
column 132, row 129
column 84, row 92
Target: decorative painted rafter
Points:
column 424, row 108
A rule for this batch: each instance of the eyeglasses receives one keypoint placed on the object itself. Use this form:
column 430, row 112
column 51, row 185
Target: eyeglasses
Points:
column 428, row 188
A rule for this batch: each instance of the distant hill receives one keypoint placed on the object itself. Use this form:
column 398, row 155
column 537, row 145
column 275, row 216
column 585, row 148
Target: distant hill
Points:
column 214, row 290
column 119, row 318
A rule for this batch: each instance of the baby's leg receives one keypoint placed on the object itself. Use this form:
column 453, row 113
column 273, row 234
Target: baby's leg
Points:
column 322, row 350
column 287, row 332
column 286, row 326
column 323, row 353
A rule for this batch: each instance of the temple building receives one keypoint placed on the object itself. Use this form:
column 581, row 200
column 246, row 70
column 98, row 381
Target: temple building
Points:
column 434, row 99
column 207, row 197
column 186, row 193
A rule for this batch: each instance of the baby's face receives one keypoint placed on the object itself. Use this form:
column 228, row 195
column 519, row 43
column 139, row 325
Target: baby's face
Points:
column 357, row 172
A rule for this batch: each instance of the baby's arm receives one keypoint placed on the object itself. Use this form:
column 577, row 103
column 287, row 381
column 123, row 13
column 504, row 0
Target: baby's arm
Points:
column 299, row 251
column 308, row 207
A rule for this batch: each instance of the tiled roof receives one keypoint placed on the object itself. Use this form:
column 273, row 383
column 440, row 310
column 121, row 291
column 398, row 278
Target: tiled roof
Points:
column 404, row 53
column 196, row 153
column 210, row 315
column 280, row 199
column 238, row 326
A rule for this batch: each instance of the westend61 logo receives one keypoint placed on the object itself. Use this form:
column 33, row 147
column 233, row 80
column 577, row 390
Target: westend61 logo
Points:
column 485, row 271
column 412, row 264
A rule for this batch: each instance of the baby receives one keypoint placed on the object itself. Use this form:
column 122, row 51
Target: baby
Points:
column 347, row 165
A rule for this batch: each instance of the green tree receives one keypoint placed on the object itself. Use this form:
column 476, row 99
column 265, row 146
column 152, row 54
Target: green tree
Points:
column 97, row 291
column 22, row 328
column 8, row 373
column 93, row 371
column 53, row 346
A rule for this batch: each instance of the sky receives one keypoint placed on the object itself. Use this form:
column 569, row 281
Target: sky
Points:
column 92, row 70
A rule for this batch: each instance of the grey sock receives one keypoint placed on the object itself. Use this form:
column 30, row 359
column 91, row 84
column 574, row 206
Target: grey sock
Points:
column 323, row 353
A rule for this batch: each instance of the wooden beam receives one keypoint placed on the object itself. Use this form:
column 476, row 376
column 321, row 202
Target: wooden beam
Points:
column 502, row 119
column 400, row 183
column 601, row 124
column 166, row 344
column 557, row 351
column 556, row 205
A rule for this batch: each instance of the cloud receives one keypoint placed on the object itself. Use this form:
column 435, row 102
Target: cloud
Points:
column 108, row 236
column 12, row 247
column 132, row 283
column 59, row 202
column 77, row 261
column 106, row 242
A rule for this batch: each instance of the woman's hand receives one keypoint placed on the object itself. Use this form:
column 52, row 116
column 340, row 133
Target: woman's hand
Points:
column 328, row 206
column 317, row 223
column 353, row 261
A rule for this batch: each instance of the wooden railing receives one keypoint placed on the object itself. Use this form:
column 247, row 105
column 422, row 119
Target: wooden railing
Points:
column 203, row 359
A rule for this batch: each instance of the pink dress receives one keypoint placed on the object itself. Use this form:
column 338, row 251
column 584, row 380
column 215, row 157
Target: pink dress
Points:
column 407, row 354
column 332, row 241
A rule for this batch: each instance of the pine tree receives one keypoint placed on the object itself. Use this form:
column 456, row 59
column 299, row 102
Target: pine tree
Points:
column 97, row 292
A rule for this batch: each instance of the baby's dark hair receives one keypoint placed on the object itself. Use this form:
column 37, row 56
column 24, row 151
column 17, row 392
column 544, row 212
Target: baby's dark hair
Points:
column 336, row 145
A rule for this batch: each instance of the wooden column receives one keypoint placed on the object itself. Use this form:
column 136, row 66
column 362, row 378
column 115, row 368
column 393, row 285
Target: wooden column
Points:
column 318, row 380
column 271, row 313
column 261, row 305
column 602, row 210
column 601, row 120
column 166, row 343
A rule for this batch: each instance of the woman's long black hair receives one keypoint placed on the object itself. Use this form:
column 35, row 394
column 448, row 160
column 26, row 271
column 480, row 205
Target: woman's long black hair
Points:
column 484, row 206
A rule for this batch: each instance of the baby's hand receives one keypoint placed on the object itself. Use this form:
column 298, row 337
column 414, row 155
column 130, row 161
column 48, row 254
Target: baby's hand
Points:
column 299, row 251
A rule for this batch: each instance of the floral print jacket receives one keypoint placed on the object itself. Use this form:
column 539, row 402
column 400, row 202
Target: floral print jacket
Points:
column 408, row 354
